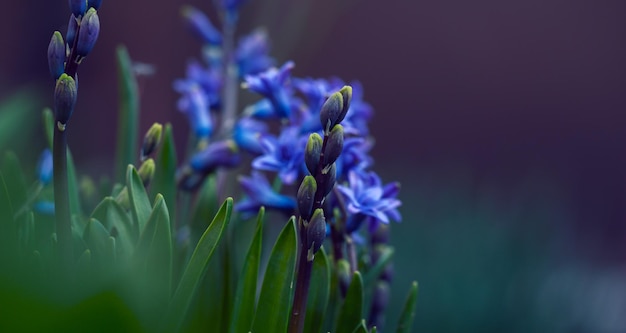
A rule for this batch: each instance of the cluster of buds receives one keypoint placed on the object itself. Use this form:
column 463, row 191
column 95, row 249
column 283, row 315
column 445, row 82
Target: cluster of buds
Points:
column 64, row 56
column 320, row 156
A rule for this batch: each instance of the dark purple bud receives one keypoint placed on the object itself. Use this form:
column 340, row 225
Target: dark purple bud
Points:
column 218, row 154
column 306, row 197
column 188, row 180
column 72, row 26
column 331, row 110
column 65, row 94
column 201, row 26
column 88, row 33
column 387, row 274
column 329, row 175
column 334, row 146
column 56, row 55
column 346, row 93
column 312, row 152
column 381, row 235
column 44, row 168
column 315, row 232
column 94, row 4
column 78, row 7
column 151, row 140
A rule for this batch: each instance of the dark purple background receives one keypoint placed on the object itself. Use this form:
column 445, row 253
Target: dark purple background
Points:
column 507, row 93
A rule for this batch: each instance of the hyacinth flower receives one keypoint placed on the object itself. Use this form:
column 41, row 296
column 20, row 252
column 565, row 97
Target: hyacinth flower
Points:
column 195, row 105
column 249, row 135
column 272, row 85
column 252, row 54
column 259, row 193
column 283, row 155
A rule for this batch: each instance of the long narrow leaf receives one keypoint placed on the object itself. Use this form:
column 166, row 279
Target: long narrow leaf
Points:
column 351, row 311
column 272, row 313
column 139, row 201
column 319, row 292
column 196, row 268
column 117, row 223
column 128, row 117
column 243, row 311
column 408, row 312
column 164, row 181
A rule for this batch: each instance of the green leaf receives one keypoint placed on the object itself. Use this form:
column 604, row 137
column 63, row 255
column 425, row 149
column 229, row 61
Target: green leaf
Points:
column 154, row 249
column 14, row 180
column 164, row 181
column 373, row 273
column 243, row 310
column 197, row 268
column 408, row 311
column 8, row 241
column 17, row 122
column 374, row 330
column 205, row 206
column 272, row 313
column 48, row 125
column 319, row 292
column 351, row 311
column 96, row 238
column 128, row 117
column 361, row 328
column 118, row 224
column 139, row 202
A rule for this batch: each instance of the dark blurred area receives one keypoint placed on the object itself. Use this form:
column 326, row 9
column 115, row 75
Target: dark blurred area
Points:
column 503, row 120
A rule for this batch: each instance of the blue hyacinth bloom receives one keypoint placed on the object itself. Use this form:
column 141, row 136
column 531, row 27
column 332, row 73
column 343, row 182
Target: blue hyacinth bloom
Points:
column 359, row 113
column 284, row 155
column 252, row 53
column 354, row 156
column 248, row 134
column 367, row 199
column 209, row 79
column 44, row 169
column 260, row 193
column 272, row 84
column 217, row 154
column 195, row 104
column 201, row 26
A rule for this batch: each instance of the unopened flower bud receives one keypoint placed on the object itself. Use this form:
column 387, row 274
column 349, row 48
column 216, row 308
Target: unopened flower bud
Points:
column 88, row 33
column 45, row 167
column 123, row 198
column 329, row 174
column 306, row 196
column 78, row 7
column 344, row 275
column 94, row 4
column 201, row 26
column 316, row 232
column 334, row 146
column 56, row 55
column 146, row 171
column 380, row 300
column 313, row 151
column 331, row 110
column 346, row 93
column 65, row 94
column 72, row 26
column 151, row 140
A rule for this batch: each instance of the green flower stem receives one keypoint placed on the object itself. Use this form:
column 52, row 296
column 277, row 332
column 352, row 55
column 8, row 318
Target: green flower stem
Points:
column 303, row 271
column 61, row 196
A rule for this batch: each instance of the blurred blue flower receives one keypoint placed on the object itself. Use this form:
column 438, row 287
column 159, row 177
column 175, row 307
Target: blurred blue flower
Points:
column 262, row 109
column 209, row 79
column 44, row 207
column 260, row 193
column 272, row 84
column 195, row 104
column 201, row 26
column 359, row 113
column 44, row 168
column 367, row 199
column 252, row 54
column 217, row 154
column 284, row 154
column 248, row 135
column 354, row 156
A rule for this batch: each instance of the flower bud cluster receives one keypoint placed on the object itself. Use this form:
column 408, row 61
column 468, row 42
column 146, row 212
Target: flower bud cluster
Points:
column 319, row 157
column 65, row 56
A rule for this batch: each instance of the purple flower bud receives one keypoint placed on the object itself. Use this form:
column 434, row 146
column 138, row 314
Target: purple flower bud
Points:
column 217, row 154
column 329, row 174
column 201, row 26
column 331, row 111
column 312, row 152
column 72, row 26
column 346, row 93
column 344, row 275
column 151, row 140
column 316, row 231
column 65, row 94
column 45, row 167
column 88, row 33
column 306, row 196
column 78, row 7
column 56, row 55
column 94, row 3
column 334, row 145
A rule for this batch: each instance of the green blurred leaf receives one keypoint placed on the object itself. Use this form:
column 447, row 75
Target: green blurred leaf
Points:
column 243, row 311
column 139, row 201
column 319, row 292
column 408, row 312
column 96, row 238
column 371, row 276
column 205, row 206
column 272, row 313
column 164, row 181
column 128, row 117
column 351, row 311
column 48, row 125
column 361, row 328
column 17, row 121
column 118, row 224
column 14, row 180
column 374, row 330
column 197, row 268
column 154, row 249
column 7, row 224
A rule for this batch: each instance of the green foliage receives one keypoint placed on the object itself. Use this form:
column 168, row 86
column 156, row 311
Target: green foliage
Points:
column 408, row 312
column 351, row 310
column 319, row 293
column 128, row 118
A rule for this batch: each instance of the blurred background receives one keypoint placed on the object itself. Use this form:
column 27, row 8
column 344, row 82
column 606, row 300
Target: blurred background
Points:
column 503, row 120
